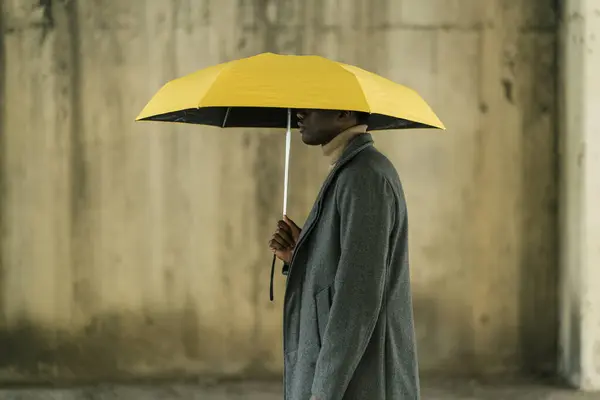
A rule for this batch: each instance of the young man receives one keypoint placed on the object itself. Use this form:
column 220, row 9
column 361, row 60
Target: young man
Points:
column 348, row 320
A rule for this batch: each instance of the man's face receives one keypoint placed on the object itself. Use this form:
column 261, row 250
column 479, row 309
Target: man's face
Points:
column 319, row 127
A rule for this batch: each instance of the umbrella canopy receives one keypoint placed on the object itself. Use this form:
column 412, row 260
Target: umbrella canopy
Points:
column 258, row 91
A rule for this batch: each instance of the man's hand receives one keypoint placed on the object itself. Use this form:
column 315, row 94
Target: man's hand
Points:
column 284, row 239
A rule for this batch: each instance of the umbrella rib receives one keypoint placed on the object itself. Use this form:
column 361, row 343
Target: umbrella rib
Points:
column 226, row 116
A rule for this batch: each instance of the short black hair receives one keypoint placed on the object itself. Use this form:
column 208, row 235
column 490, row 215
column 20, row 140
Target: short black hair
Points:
column 362, row 118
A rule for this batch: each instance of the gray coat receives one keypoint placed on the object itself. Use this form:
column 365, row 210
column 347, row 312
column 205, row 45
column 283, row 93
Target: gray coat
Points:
column 348, row 320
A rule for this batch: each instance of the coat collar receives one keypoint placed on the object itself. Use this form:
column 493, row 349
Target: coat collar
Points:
column 335, row 148
column 355, row 146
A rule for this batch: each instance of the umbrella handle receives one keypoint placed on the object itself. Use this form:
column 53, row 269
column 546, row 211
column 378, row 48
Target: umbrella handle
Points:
column 286, row 183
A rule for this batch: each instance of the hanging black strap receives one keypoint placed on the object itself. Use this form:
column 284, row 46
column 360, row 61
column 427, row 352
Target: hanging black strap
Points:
column 272, row 276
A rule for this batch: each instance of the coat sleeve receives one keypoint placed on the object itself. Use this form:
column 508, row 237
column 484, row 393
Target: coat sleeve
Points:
column 367, row 207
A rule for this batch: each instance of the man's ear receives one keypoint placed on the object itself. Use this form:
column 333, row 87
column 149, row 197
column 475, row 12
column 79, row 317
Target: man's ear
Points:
column 344, row 114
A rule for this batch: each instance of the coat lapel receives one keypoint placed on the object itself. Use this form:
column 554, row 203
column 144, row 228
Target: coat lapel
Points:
column 355, row 146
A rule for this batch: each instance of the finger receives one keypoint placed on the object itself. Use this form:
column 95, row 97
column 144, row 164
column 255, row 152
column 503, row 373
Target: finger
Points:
column 282, row 242
column 276, row 246
column 287, row 236
column 290, row 223
column 282, row 256
column 284, row 225
column 295, row 228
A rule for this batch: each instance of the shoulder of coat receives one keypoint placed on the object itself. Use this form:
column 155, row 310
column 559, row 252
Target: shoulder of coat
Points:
column 372, row 162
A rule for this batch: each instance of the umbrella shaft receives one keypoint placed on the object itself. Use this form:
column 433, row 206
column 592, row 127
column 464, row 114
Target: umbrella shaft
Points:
column 288, row 143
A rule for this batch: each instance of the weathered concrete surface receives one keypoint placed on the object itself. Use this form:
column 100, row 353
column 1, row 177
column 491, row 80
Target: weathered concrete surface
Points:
column 139, row 249
column 580, row 311
column 455, row 390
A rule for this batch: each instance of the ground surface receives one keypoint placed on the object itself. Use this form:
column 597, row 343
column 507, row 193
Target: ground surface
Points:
column 459, row 390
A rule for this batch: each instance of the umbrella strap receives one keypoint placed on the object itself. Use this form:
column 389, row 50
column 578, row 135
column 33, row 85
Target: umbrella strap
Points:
column 271, row 296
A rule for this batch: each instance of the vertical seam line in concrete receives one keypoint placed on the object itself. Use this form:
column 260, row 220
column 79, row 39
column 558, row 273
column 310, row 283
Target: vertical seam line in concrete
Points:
column 557, row 177
column 2, row 159
column 76, row 162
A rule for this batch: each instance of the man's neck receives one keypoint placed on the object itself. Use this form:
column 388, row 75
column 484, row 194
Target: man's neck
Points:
column 334, row 149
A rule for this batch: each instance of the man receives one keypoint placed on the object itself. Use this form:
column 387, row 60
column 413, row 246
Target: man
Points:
column 348, row 321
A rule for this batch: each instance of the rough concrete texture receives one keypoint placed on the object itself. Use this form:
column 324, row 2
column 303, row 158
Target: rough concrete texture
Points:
column 139, row 249
column 438, row 391
column 580, row 308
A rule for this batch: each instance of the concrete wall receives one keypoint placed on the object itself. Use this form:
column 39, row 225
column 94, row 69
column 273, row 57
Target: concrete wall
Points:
column 139, row 249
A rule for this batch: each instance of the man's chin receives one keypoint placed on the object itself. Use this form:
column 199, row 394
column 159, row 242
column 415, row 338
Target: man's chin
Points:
column 308, row 140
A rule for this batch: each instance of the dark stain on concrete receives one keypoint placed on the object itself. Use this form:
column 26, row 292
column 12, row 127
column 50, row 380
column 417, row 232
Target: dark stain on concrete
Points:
column 596, row 356
column 78, row 166
column 242, row 42
column 557, row 7
column 573, row 354
column 540, row 15
column 534, row 178
column 190, row 335
column 112, row 346
column 280, row 34
column 540, row 224
column 507, row 85
column 484, row 319
column 48, row 22
column 31, row 351
column 247, row 142
column 427, row 323
column 430, row 328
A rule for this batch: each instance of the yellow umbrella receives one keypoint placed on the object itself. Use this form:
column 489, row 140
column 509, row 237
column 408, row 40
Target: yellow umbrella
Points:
column 261, row 92
column 228, row 94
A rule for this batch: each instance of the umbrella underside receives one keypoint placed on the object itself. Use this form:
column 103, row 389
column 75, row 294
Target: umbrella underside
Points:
column 264, row 117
